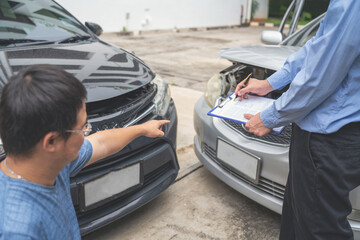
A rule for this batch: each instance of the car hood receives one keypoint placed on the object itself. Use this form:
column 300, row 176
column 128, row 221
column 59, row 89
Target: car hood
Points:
column 269, row 57
column 105, row 70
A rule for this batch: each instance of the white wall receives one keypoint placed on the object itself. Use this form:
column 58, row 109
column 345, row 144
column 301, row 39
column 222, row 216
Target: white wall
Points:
column 158, row 14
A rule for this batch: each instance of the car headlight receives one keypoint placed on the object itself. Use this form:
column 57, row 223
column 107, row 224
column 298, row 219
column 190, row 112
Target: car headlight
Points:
column 213, row 90
column 163, row 96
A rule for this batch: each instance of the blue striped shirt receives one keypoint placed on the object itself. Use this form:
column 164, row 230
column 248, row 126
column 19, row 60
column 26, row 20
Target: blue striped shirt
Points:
column 32, row 211
column 324, row 93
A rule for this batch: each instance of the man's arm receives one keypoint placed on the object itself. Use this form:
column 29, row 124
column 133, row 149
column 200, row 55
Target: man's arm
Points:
column 280, row 78
column 105, row 143
column 328, row 60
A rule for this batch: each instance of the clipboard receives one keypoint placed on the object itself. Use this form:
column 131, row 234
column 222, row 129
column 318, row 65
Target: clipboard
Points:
column 234, row 110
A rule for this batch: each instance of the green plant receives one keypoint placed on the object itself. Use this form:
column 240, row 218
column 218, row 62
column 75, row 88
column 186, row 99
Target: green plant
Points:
column 277, row 21
column 283, row 9
column 124, row 29
column 306, row 16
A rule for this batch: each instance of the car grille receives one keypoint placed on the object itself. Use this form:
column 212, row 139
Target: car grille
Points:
column 157, row 173
column 123, row 110
column 265, row 185
column 282, row 139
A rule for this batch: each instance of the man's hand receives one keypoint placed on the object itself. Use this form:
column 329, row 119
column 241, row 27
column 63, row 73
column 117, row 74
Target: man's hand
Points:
column 254, row 86
column 153, row 128
column 105, row 143
column 255, row 125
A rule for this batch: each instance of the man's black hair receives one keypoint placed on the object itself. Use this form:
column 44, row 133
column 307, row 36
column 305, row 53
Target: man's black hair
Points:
column 38, row 100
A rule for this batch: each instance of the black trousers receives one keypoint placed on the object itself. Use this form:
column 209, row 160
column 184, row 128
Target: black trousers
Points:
column 323, row 169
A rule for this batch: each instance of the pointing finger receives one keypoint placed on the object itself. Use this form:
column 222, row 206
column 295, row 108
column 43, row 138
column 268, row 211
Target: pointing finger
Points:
column 163, row 122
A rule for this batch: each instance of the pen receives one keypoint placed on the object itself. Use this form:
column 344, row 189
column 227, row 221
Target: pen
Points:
column 246, row 81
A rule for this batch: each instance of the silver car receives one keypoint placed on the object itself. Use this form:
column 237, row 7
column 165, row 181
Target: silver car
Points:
column 255, row 166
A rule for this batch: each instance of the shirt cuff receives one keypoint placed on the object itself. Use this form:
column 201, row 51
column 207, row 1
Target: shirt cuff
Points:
column 269, row 117
column 279, row 79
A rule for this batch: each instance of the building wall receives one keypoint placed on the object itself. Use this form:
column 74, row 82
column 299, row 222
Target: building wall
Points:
column 137, row 15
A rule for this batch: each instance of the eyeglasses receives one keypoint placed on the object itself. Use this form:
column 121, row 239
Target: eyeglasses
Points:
column 86, row 130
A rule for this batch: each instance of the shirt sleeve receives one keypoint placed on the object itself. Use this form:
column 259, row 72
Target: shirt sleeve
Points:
column 85, row 154
column 14, row 236
column 291, row 67
column 325, row 61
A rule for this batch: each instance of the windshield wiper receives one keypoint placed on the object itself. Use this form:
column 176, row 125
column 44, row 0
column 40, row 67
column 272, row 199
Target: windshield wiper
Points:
column 13, row 41
column 73, row 39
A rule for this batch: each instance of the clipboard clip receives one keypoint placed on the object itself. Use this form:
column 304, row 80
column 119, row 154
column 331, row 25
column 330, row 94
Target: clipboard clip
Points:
column 220, row 105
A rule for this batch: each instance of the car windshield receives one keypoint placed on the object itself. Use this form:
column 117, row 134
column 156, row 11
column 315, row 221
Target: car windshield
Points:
column 29, row 22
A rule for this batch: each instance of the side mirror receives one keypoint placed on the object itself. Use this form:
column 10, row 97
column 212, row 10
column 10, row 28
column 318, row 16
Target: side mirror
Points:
column 271, row 37
column 95, row 28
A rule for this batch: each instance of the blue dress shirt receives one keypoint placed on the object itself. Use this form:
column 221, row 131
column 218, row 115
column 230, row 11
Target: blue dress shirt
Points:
column 324, row 93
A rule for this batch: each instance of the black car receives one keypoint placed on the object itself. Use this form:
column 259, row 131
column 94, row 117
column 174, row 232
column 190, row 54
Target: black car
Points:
column 122, row 91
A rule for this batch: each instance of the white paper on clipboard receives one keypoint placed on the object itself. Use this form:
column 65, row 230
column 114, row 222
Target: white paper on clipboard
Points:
column 235, row 110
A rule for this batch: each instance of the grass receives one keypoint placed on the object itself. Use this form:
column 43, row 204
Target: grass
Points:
column 277, row 21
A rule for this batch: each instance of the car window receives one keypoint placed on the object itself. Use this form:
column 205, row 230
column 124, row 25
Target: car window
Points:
column 37, row 20
column 292, row 13
column 302, row 36
column 300, row 40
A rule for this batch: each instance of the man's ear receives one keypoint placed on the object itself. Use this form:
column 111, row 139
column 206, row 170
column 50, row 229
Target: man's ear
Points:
column 50, row 141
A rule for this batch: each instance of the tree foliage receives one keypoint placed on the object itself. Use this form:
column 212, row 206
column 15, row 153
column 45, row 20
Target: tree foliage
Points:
column 312, row 8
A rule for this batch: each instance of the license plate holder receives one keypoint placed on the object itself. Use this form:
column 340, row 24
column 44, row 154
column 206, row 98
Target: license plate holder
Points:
column 111, row 185
column 239, row 160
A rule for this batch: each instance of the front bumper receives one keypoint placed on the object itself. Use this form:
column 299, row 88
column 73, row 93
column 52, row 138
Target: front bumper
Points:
column 274, row 161
column 159, row 168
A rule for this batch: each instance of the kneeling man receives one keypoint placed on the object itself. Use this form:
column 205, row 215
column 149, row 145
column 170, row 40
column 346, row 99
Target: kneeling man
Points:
column 43, row 124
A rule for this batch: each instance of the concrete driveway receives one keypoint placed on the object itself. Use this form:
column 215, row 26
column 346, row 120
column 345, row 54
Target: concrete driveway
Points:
column 197, row 205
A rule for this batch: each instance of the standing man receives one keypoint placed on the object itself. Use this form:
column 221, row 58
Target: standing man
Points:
column 43, row 122
column 323, row 103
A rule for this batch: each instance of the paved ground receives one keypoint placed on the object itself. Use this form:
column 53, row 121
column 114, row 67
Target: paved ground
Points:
column 197, row 205
column 186, row 59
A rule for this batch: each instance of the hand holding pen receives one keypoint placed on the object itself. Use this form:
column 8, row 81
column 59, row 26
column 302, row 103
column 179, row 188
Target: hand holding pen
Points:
column 252, row 86
column 242, row 84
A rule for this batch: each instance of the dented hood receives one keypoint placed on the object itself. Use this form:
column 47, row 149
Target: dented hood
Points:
column 269, row 57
